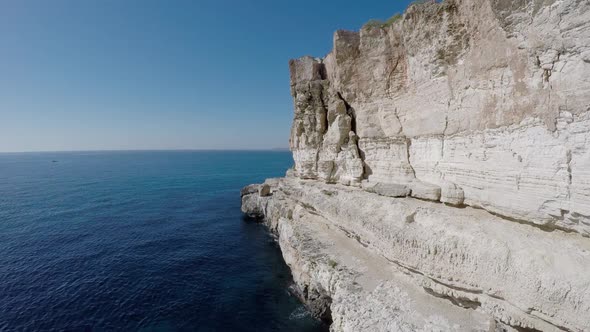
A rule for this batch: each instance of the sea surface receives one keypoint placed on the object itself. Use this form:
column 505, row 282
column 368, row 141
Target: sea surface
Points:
column 140, row 241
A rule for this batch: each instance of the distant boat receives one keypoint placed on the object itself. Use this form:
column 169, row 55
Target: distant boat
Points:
column 54, row 161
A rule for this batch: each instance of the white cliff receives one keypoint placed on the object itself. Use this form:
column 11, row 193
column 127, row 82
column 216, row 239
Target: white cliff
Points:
column 452, row 145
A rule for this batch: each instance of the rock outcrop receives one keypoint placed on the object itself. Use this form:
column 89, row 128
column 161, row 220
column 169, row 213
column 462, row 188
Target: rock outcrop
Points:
column 442, row 171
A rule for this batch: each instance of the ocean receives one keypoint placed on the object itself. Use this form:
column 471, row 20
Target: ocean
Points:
column 140, row 241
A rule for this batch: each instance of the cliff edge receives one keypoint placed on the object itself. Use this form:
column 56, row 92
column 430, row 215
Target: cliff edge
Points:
column 442, row 171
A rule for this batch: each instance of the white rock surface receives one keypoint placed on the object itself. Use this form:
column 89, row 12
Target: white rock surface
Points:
column 483, row 105
column 507, row 275
column 367, row 293
column 387, row 189
column 487, row 99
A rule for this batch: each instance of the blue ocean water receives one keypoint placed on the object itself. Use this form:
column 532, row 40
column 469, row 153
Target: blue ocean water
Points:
column 140, row 241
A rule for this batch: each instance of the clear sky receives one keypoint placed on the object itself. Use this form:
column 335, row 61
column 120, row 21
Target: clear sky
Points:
column 145, row 74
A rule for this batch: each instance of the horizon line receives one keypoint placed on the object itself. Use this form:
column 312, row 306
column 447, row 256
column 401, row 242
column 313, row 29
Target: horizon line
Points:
column 152, row 150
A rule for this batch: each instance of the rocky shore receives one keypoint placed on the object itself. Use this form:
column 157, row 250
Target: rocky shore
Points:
column 441, row 177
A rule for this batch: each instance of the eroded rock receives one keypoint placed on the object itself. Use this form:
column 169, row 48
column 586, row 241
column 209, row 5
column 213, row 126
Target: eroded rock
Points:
column 482, row 105
column 468, row 257
column 490, row 97
column 387, row 189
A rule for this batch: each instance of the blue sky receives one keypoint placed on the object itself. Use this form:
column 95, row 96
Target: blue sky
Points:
column 145, row 74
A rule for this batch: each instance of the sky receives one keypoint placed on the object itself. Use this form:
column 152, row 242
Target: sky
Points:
column 145, row 74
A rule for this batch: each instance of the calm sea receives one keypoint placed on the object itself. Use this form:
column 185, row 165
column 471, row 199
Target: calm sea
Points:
column 140, row 241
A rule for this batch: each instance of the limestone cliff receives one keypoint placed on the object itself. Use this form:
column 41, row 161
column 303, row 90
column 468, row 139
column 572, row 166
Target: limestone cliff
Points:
column 442, row 171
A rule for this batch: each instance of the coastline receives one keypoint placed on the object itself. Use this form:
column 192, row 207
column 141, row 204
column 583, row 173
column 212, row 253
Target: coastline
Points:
column 440, row 178
column 351, row 276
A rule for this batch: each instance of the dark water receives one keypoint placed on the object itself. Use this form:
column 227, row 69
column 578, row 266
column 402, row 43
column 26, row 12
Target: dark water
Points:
column 149, row 241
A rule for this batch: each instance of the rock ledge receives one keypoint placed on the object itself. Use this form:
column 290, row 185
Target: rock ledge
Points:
column 441, row 177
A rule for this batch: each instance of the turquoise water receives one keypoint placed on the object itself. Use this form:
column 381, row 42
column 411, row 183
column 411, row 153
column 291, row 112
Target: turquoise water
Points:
column 150, row 241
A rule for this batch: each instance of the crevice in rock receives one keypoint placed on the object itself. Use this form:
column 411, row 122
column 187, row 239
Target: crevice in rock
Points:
column 401, row 126
column 559, row 327
column 532, row 329
column 545, row 228
column 410, row 270
column 548, row 71
column 524, row 329
column 325, row 113
column 569, row 172
column 310, row 208
column 408, row 148
column 353, row 236
column 436, row 281
column 457, row 288
column 461, row 302
column 546, row 74
column 350, row 112
column 395, row 65
column 322, row 70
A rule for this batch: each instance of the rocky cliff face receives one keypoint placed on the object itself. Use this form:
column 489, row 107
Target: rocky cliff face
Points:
column 481, row 105
column 484, row 103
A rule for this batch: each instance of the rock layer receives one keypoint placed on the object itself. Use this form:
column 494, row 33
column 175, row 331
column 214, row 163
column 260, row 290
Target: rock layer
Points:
column 441, row 177
column 486, row 101
column 404, row 256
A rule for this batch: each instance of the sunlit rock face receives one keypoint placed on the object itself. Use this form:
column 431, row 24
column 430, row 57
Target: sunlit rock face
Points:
column 442, row 171
column 484, row 103
column 323, row 139
column 461, row 269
